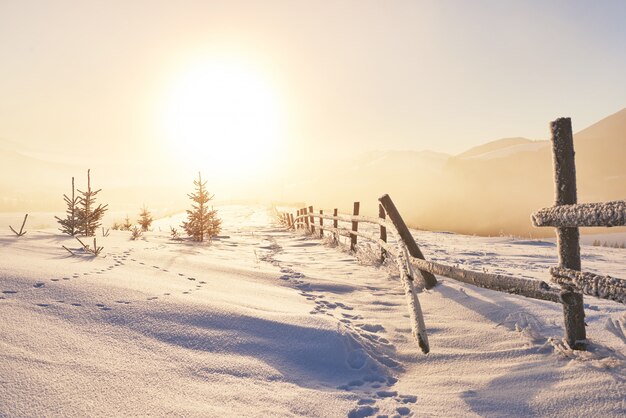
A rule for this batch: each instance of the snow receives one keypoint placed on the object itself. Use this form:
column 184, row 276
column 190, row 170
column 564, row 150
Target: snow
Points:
column 268, row 322
column 607, row 214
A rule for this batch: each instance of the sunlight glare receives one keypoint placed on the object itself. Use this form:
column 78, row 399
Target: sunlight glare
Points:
column 222, row 115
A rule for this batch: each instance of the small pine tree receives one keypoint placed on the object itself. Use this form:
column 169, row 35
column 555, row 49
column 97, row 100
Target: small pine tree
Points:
column 89, row 216
column 201, row 223
column 127, row 224
column 145, row 219
column 69, row 225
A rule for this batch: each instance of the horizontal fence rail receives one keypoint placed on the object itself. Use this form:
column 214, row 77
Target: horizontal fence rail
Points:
column 607, row 214
column 535, row 289
column 605, row 287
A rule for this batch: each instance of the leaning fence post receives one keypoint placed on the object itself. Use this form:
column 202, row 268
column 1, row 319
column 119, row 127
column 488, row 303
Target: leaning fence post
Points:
column 321, row 224
column 568, row 238
column 429, row 279
column 291, row 221
column 306, row 219
column 355, row 227
column 383, row 232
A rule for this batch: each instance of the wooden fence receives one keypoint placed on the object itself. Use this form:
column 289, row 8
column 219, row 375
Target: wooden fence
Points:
column 566, row 215
column 406, row 253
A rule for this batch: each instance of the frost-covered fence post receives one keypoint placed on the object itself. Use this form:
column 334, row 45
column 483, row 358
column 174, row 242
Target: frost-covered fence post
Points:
column 383, row 232
column 430, row 280
column 355, row 226
column 291, row 222
column 416, row 316
column 311, row 220
column 568, row 237
column 306, row 219
column 336, row 224
column 321, row 224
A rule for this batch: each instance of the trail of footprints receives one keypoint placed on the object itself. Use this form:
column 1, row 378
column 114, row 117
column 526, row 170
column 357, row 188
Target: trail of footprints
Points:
column 119, row 260
column 373, row 389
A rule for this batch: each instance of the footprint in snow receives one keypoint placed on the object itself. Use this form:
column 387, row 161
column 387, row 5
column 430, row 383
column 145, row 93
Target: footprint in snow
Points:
column 153, row 297
column 9, row 292
column 43, row 305
column 38, row 285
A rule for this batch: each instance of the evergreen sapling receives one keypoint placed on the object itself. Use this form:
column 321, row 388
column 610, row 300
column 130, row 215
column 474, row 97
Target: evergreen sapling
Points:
column 89, row 216
column 202, row 223
column 69, row 225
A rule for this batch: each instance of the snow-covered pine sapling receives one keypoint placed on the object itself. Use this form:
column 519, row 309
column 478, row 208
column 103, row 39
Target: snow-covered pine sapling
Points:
column 145, row 219
column 69, row 225
column 22, row 232
column 89, row 216
column 127, row 224
column 202, row 222
column 174, row 235
column 135, row 233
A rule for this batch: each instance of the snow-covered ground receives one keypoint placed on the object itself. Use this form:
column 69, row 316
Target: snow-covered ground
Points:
column 266, row 322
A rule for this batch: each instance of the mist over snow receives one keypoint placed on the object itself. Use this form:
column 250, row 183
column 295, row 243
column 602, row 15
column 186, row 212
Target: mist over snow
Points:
column 269, row 322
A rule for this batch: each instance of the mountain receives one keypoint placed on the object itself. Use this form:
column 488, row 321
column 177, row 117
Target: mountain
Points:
column 502, row 147
column 490, row 189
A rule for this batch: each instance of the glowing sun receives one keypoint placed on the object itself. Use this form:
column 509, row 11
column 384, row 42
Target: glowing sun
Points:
column 223, row 114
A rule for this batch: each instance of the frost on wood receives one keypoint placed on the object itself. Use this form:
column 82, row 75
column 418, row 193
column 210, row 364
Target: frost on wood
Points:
column 515, row 285
column 584, row 214
column 605, row 287
column 415, row 309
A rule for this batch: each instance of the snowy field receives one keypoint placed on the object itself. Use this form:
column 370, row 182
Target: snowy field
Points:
column 265, row 322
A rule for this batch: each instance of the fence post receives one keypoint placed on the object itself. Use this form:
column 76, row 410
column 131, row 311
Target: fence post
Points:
column 311, row 220
column 291, row 221
column 321, row 224
column 568, row 238
column 355, row 226
column 336, row 224
column 306, row 219
column 429, row 279
column 298, row 219
column 383, row 232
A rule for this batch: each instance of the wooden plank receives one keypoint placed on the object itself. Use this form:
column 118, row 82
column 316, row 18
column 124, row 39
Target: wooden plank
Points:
column 311, row 220
column 605, row 287
column 383, row 232
column 415, row 310
column 335, row 223
column 403, row 231
column 355, row 226
column 606, row 214
column 568, row 237
column 321, row 224
column 535, row 289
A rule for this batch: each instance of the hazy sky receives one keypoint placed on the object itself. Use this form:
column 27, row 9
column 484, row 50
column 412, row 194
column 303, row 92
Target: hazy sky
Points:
column 102, row 76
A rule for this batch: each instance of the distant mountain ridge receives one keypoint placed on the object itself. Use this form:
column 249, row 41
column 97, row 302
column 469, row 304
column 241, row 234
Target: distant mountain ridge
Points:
column 489, row 189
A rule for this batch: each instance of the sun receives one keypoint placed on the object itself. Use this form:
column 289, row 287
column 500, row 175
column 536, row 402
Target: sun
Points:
column 223, row 115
